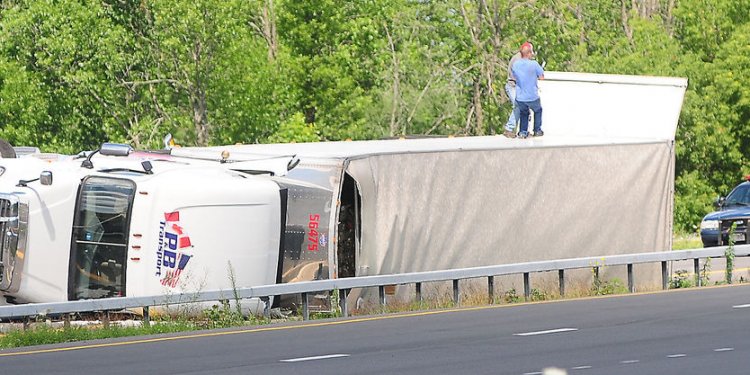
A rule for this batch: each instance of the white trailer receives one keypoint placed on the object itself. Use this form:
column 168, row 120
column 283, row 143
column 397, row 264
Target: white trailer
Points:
column 599, row 182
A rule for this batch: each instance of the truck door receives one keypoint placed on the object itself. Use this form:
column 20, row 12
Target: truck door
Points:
column 100, row 238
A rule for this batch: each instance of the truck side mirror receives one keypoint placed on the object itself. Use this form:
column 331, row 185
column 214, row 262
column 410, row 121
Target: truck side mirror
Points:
column 719, row 202
column 115, row 149
column 111, row 149
column 46, row 178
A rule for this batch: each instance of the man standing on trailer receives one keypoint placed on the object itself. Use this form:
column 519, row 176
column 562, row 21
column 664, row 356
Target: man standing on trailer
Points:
column 510, row 89
column 527, row 72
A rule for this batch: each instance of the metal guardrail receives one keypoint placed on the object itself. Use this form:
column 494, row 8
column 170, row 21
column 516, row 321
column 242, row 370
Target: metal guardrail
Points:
column 344, row 285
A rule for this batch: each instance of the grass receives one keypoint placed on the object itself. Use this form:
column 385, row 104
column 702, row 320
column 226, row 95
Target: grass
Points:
column 44, row 334
column 682, row 241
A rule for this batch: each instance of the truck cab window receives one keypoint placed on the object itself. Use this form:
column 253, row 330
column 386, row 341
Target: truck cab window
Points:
column 100, row 238
column 739, row 196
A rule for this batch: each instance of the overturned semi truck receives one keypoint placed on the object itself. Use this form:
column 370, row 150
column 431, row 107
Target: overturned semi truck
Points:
column 118, row 222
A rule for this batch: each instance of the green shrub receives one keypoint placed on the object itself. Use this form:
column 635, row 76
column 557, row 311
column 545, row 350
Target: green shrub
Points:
column 693, row 199
column 682, row 279
column 511, row 296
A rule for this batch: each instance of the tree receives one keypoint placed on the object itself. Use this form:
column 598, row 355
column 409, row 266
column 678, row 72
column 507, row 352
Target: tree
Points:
column 335, row 45
column 188, row 39
column 68, row 50
column 704, row 25
column 424, row 81
column 23, row 107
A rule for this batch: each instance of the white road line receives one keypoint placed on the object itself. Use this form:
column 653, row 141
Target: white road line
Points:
column 558, row 330
column 329, row 356
column 533, row 373
column 724, row 350
column 580, row 368
column 629, row 361
column 676, row 355
column 741, row 306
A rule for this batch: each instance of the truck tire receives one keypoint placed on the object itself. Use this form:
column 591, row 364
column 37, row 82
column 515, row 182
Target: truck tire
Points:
column 6, row 150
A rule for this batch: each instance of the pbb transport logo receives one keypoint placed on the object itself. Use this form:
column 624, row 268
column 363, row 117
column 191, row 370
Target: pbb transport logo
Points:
column 172, row 255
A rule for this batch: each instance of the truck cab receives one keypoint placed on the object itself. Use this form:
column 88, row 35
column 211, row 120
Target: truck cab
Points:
column 107, row 226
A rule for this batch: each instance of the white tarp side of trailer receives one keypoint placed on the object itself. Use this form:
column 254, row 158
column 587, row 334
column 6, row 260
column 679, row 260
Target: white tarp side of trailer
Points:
column 581, row 104
column 423, row 212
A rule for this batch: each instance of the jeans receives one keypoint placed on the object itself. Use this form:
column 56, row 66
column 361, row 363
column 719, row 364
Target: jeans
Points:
column 523, row 108
column 510, row 89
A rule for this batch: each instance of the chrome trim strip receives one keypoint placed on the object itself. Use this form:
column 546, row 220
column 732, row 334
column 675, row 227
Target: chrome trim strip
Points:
column 102, row 243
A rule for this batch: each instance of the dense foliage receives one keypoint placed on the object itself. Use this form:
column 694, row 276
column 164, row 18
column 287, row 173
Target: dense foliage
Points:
column 74, row 73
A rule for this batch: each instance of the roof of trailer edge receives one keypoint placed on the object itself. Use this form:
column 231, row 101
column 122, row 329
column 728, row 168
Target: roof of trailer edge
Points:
column 616, row 79
column 362, row 149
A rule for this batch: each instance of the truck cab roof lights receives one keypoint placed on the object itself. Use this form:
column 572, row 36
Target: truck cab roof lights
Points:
column 26, row 150
column 45, row 178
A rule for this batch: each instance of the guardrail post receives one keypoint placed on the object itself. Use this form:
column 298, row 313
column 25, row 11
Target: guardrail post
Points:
column 105, row 319
column 597, row 282
column 146, row 316
column 561, row 277
column 66, row 321
column 266, row 307
column 697, row 271
column 381, row 294
column 631, row 280
column 419, row 292
column 491, row 289
column 526, row 286
column 664, row 275
column 343, row 294
column 456, row 293
column 305, row 307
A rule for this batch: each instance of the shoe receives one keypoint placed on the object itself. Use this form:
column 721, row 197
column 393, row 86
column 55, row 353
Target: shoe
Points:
column 538, row 134
column 523, row 135
column 509, row 134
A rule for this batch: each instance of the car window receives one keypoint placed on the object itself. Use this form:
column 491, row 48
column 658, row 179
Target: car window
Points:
column 739, row 196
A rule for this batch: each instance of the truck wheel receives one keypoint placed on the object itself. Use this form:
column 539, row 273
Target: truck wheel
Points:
column 6, row 150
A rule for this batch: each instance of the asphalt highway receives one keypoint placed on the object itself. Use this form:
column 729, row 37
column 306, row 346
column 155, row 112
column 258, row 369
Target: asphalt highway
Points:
column 690, row 331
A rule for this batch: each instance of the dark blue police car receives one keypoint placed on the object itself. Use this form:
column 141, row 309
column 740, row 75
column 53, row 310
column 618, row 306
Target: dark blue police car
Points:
column 734, row 209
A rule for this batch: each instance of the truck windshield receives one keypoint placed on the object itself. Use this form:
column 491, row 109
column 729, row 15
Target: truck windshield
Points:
column 100, row 238
column 740, row 196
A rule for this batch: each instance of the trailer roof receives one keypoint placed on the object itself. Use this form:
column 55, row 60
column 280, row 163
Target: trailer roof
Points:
column 359, row 149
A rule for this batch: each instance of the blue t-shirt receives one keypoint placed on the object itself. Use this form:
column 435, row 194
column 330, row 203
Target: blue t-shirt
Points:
column 526, row 72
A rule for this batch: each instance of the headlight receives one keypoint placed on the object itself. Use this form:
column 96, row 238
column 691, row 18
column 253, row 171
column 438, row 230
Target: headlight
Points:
column 710, row 224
